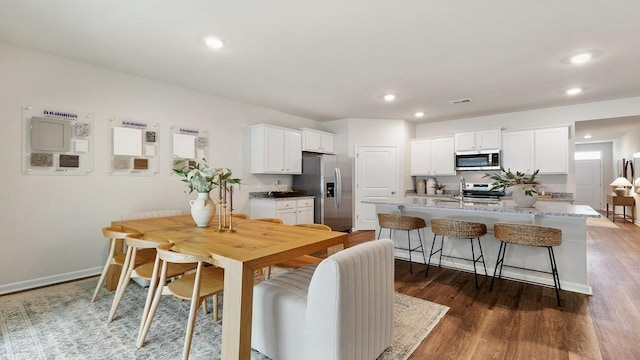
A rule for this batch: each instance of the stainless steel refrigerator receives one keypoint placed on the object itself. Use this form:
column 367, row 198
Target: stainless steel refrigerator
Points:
column 330, row 179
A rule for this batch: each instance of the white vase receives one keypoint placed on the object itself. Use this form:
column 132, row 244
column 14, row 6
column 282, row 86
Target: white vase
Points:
column 521, row 199
column 202, row 209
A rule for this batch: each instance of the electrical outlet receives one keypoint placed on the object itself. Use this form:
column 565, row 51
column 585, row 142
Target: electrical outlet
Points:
column 276, row 182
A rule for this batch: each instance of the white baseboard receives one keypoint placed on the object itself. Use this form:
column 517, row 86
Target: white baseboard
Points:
column 49, row 280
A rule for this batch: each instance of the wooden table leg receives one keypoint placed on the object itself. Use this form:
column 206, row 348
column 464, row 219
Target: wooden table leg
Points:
column 237, row 311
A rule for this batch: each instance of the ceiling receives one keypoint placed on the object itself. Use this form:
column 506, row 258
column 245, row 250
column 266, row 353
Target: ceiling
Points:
column 605, row 129
column 333, row 59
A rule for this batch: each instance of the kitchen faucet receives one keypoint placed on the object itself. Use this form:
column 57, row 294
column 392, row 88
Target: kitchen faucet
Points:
column 462, row 186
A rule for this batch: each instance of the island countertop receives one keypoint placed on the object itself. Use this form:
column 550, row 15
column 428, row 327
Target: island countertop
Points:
column 504, row 206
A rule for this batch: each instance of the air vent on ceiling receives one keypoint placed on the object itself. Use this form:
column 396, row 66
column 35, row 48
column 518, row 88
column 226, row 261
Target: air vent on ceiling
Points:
column 460, row 101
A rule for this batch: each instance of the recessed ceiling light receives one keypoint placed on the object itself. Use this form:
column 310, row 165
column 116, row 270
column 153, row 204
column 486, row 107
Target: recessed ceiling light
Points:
column 214, row 43
column 573, row 91
column 419, row 114
column 581, row 58
column 587, row 136
column 390, row 97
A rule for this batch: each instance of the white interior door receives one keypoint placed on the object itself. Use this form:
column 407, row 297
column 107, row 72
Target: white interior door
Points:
column 376, row 179
column 589, row 183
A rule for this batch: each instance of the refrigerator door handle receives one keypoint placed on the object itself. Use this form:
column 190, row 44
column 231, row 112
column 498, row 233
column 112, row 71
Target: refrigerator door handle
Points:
column 338, row 187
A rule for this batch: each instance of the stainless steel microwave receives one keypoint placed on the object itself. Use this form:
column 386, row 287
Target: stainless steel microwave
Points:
column 484, row 160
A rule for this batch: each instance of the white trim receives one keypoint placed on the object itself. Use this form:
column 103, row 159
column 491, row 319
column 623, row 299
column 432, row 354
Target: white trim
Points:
column 48, row 280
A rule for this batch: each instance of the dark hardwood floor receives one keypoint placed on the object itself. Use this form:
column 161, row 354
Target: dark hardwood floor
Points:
column 522, row 321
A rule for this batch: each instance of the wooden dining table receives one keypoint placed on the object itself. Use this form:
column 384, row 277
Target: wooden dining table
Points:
column 253, row 246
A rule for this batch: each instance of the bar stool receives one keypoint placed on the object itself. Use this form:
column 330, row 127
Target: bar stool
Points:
column 528, row 235
column 458, row 229
column 403, row 222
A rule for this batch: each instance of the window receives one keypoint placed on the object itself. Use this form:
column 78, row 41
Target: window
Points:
column 588, row 155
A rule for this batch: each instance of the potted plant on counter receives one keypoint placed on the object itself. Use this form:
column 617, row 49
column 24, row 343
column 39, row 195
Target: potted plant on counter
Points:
column 522, row 186
column 439, row 187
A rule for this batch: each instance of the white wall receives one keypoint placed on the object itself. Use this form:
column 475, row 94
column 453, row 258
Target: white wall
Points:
column 624, row 148
column 352, row 132
column 51, row 224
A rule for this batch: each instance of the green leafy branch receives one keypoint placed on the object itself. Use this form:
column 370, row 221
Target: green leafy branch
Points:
column 506, row 179
column 200, row 177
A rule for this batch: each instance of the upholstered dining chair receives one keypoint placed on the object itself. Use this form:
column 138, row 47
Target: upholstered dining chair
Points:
column 339, row 309
column 135, row 244
column 303, row 260
column 205, row 282
column 115, row 234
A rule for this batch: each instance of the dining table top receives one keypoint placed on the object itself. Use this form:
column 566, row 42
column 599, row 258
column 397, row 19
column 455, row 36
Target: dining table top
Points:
column 256, row 243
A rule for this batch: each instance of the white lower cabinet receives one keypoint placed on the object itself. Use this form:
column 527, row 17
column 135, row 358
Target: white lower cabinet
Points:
column 305, row 211
column 290, row 211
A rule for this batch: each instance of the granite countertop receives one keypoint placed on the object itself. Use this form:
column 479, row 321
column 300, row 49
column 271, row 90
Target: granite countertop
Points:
column 556, row 196
column 507, row 206
column 279, row 195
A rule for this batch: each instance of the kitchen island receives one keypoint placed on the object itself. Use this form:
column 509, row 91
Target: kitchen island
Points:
column 571, row 256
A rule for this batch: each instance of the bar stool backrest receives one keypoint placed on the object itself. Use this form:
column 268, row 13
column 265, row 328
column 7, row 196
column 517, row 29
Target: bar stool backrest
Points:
column 400, row 222
column 458, row 228
column 527, row 234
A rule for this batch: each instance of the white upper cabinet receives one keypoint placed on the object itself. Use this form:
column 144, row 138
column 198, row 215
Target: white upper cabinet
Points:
column 275, row 150
column 552, row 150
column 318, row 141
column 517, row 151
column 433, row 156
column 483, row 140
column 544, row 149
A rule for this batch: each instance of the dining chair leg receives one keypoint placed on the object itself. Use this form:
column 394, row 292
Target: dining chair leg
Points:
column 152, row 289
column 112, row 250
column 154, row 306
column 125, row 278
column 216, row 315
column 195, row 302
column 205, row 307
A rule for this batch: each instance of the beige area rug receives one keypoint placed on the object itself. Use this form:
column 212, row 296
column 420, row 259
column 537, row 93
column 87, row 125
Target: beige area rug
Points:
column 601, row 222
column 60, row 322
